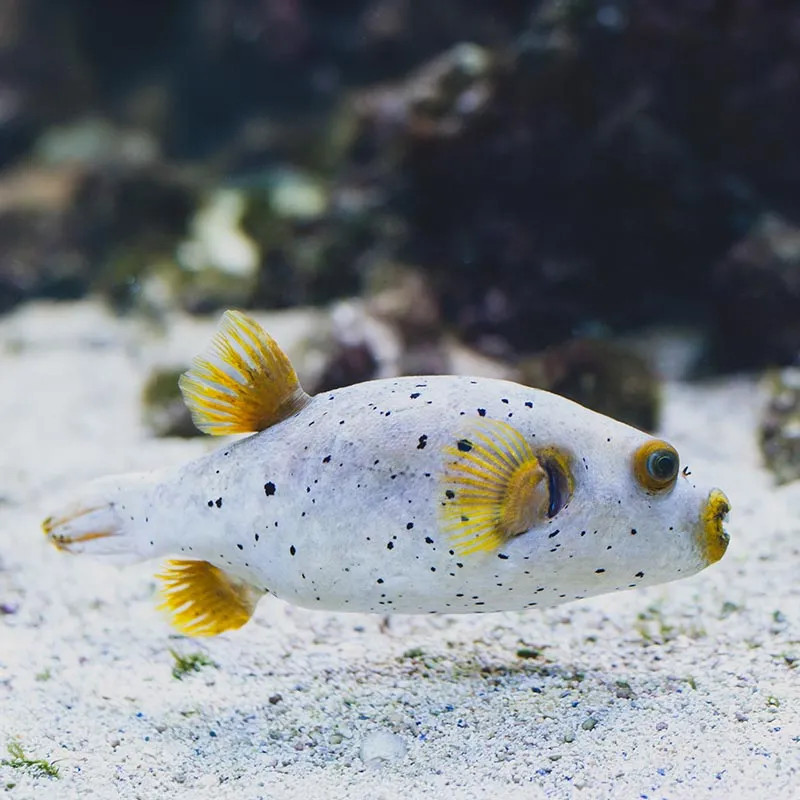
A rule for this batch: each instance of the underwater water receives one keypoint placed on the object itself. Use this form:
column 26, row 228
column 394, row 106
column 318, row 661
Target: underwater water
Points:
column 596, row 199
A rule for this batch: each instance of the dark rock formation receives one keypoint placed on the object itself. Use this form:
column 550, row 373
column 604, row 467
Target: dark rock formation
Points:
column 757, row 297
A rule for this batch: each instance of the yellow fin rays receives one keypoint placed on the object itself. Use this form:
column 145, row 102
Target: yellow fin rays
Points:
column 244, row 382
column 203, row 600
column 493, row 489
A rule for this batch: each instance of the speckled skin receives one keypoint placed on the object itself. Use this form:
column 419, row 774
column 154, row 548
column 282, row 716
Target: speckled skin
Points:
column 338, row 506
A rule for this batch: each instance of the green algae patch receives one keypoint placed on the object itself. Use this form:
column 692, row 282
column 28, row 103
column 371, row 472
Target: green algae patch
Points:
column 191, row 662
column 37, row 767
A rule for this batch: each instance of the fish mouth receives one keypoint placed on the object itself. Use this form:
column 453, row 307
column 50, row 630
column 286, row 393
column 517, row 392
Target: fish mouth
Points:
column 713, row 536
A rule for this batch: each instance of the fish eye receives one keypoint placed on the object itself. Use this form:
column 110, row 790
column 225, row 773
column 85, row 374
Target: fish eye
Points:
column 656, row 465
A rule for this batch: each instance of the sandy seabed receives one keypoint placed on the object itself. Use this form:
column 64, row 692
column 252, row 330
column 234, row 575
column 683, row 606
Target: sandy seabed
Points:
column 686, row 690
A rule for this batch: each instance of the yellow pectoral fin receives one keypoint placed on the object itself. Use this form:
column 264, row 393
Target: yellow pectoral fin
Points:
column 203, row 600
column 494, row 488
column 243, row 383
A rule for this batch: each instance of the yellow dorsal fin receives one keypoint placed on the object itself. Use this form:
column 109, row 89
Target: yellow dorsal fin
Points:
column 243, row 383
column 494, row 487
column 203, row 600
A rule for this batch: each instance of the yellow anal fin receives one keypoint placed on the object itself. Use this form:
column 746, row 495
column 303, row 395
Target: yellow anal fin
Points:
column 203, row 600
column 243, row 383
column 494, row 488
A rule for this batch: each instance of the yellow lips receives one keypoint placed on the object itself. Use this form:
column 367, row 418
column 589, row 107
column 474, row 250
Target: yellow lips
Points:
column 713, row 537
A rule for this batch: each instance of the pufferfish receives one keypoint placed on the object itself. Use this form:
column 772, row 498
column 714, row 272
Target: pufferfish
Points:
column 411, row 495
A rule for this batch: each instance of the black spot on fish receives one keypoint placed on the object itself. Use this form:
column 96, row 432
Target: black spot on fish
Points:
column 554, row 533
column 640, row 575
column 598, row 571
column 390, row 546
column 428, row 540
column 464, row 445
column 241, row 547
column 409, row 526
column 380, row 580
column 423, row 440
column 528, row 404
column 449, row 494
column 502, row 555
column 210, row 503
column 256, row 536
column 341, row 422
column 482, row 412
column 269, row 488
column 218, row 502
column 326, row 460
column 414, row 395
column 292, row 550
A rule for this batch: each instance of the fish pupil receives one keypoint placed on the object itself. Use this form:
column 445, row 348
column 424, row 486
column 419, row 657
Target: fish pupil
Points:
column 662, row 465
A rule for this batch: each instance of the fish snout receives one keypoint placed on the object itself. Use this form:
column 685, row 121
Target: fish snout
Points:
column 712, row 537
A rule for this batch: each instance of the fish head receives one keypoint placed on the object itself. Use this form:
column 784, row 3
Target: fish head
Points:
column 578, row 504
column 633, row 514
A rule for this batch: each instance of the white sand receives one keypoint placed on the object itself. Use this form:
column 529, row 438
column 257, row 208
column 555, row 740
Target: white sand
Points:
column 692, row 689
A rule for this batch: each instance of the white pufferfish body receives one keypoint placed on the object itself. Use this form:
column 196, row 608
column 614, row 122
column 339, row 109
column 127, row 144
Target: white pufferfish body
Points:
column 410, row 495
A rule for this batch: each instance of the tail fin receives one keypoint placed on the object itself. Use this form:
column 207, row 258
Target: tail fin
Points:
column 108, row 519
column 102, row 519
